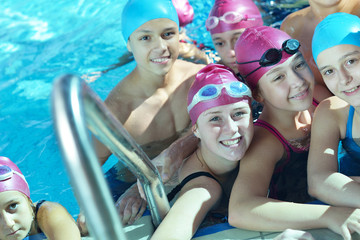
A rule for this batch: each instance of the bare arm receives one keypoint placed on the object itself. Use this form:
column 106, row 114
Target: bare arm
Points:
column 56, row 222
column 196, row 199
column 325, row 182
column 250, row 208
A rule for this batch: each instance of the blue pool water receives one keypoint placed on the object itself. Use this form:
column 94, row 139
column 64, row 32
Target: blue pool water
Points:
column 42, row 39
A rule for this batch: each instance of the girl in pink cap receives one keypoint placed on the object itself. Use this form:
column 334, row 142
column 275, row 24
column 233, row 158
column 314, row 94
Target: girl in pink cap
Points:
column 220, row 112
column 226, row 22
column 20, row 218
column 270, row 191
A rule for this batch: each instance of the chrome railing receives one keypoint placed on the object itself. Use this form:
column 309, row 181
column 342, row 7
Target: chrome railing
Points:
column 75, row 108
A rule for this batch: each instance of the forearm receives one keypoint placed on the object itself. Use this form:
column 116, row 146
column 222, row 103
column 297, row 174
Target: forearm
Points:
column 336, row 189
column 264, row 214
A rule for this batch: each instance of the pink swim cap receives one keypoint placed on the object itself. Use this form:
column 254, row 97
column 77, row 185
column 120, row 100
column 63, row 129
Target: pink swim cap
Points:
column 184, row 10
column 11, row 178
column 233, row 14
column 252, row 44
column 215, row 85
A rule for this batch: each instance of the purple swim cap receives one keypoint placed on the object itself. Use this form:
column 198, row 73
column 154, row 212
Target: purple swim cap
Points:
column 227, row 15
column 252, row 44
column 215, row 85
column 184, row 10
column 11, row 178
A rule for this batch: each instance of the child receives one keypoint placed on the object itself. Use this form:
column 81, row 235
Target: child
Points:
column 20, row 218
column 301, row 25
column 219, row 108
column 271, row 187
column 334, row 176
column 150, row 102
column 226, row 22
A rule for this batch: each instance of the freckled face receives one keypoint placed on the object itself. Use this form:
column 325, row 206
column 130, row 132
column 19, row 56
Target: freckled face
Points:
column 340, row 68
column 224, row 44
column 288, row 86
column 16, row 215
column 226, row 131
column 155, row 45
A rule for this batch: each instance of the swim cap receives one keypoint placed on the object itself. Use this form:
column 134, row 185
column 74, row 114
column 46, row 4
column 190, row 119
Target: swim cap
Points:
column 184, row 11
column 335, row 29
column 11, row 178
column 244, row 14
column 138, row 12
column 211, row 89
column 252, row 44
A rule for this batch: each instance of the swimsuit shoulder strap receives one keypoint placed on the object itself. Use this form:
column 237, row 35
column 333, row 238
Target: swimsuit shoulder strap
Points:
column 349, row 123
column 177, row 189
column 38, row 205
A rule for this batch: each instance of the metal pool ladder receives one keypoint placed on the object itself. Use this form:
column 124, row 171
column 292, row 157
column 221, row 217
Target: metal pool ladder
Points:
column 76, row 108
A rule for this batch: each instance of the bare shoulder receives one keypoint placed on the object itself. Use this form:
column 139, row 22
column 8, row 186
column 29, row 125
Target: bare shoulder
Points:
column 332, row 109
column 295, row 21
column 121, row 98
column 50, row 209
column 188, row 68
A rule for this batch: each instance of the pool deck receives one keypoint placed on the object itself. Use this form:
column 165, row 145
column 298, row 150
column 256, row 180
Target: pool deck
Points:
column 143, row 228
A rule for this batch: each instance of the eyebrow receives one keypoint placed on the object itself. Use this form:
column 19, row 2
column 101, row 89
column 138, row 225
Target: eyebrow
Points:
column 149, row 31
column 274, row 70
column 340, row 59
column 235, row 109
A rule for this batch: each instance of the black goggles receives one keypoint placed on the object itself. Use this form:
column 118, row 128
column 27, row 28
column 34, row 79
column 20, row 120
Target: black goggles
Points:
column 274, row 55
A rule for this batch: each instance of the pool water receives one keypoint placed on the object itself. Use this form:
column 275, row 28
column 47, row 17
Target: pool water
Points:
column 42, row 39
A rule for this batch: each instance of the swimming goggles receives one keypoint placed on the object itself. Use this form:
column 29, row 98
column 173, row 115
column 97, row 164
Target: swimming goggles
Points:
column 211, row 91
column 228, row 17
column 7, row 173
column 274, row 55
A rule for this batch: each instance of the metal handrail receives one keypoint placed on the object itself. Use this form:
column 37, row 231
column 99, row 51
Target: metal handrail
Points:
column 76, row 106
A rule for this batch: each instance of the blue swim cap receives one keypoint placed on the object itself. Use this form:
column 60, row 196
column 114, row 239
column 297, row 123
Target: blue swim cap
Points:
column 335, row 29
column 138, row 12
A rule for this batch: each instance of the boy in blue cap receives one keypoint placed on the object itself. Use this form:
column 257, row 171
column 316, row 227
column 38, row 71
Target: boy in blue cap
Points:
column 151, row 100
column 334, row 172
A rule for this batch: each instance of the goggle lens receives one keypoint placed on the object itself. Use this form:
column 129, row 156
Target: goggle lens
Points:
column 272, row 56
column 5, row 172
column 208, row 91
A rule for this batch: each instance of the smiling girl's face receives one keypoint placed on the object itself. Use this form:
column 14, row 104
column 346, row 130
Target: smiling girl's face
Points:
column 16, row 215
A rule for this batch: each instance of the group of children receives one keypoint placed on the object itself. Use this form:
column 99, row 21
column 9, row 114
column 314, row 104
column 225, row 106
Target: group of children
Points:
column 303, row 147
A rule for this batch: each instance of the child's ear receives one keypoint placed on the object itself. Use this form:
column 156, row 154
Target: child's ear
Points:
column 194, row 129
column 128, row 46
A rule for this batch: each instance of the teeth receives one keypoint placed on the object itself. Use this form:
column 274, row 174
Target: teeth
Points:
column 159, row 60
column 299, row 95
column 231, row 142
column 352, row 90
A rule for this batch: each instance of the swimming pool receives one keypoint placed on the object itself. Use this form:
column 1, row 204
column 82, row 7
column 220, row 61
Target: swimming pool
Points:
column 40, row 40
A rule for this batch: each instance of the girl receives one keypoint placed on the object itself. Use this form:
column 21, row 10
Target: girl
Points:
column 20, row 218
column 219, row 108
column 334, row 176
column 226, row 22
column 271, row 187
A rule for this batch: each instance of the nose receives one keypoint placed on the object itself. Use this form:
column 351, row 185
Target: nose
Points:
column 161, row 43
column 8, row 220
column 296, row 79
column 231, row 126
column 345, row 77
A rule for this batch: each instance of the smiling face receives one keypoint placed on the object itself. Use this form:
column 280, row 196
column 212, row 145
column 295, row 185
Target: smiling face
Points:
column 224, row 44
column 340, row 68
column 155, row 45
column 226, row 131
column 16, row 215
column 288, row 86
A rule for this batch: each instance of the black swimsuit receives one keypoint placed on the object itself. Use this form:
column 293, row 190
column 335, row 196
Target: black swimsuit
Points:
column 38, row 205
column 178, row 188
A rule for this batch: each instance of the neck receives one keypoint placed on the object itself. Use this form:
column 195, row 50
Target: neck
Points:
column 149, row 81
column 217, row 165
column 286, row 119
